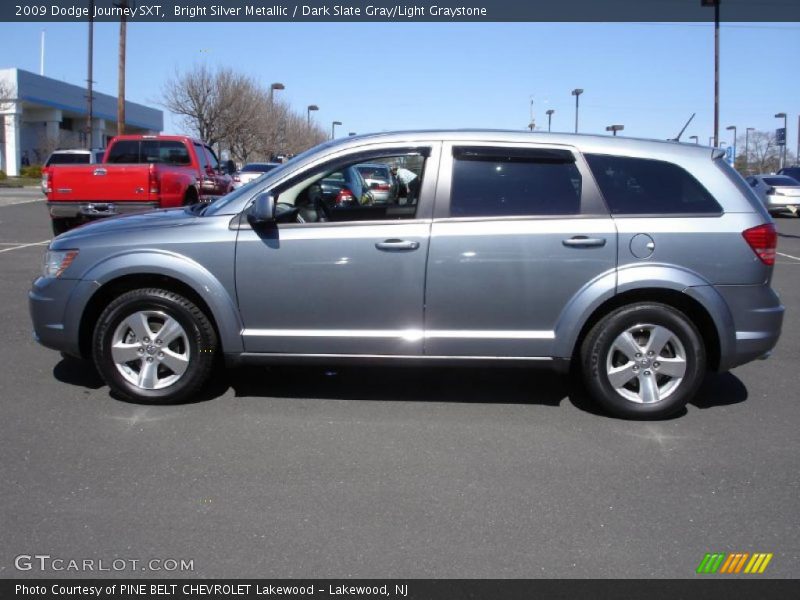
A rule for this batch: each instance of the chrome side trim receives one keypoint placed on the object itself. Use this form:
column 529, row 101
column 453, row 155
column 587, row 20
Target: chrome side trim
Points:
column 393, row 356
column 410, row 335
column 753, row 335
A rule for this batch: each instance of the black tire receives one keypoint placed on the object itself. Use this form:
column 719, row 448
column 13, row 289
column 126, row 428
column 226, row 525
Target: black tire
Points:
column 61, row 225
column 190, row 197
column 198, row 344
column 597, row 358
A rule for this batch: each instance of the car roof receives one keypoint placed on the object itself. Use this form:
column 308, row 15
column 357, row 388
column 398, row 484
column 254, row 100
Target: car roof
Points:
column 584, row 142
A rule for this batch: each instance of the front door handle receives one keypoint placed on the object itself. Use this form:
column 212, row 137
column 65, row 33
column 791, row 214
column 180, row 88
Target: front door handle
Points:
column 395, row 244
column 581, row 241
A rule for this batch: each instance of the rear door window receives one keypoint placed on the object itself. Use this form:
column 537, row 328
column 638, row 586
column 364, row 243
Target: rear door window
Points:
column 509, row 182
column 640, row 186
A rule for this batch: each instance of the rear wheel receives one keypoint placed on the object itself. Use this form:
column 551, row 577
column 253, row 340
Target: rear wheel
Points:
column 643, row 361
column 154, row 346
column 190, row 197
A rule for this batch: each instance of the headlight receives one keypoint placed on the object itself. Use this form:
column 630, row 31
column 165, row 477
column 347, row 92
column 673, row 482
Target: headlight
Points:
column 57, row 261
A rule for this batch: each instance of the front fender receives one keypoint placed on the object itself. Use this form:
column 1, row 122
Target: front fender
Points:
column 167, row 264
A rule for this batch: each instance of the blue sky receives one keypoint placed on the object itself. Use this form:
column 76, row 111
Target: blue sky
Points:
column 382, row 76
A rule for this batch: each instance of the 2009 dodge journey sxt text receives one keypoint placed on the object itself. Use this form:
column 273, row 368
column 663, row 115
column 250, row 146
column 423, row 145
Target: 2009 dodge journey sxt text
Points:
column 644, row 263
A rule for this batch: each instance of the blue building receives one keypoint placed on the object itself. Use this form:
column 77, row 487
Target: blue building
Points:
column 40, row 114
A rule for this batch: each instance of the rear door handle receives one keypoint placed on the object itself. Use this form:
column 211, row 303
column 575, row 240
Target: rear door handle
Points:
column 581, row 241
column 395, row 244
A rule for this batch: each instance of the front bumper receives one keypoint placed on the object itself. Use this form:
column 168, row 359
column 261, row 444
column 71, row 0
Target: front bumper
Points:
column 47, row 302
column 97, row 210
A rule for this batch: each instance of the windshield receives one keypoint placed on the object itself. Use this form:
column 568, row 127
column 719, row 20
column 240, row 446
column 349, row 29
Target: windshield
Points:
column 781, row 181
column 258, row 168
column 220, row 206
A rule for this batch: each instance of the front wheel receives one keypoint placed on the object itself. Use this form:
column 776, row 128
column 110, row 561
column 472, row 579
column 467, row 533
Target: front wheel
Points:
column 643, row 361
column 154, row 346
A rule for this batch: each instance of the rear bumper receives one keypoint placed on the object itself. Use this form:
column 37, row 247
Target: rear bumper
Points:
column 97, row 210
column 758, row 317
column 783, row 204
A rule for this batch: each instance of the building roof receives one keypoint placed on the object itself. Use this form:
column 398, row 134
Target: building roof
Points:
column 30, row 88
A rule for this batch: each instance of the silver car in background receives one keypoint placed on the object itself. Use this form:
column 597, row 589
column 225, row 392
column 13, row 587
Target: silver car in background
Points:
column 382, row 184
column 638, row 264
column 252, row 171
column 780, row 194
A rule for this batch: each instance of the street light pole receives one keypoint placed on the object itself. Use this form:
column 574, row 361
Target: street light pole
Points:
column 308, row 112
column 577, row 93
column 747, row 149
column 711, row 140
column 695, row 138
column 549, row 118
column 733, row 128
column 272, row 88
column 333, row 128
column 782, row 115
column 615, row 128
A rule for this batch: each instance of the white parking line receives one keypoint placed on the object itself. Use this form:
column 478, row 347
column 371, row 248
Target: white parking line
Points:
column 18, row 246
column 787, row 255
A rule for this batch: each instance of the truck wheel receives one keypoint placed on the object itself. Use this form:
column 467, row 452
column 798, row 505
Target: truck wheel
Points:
column 154, row 346
column 190, row 197
column 61, row 225
column 643, row 361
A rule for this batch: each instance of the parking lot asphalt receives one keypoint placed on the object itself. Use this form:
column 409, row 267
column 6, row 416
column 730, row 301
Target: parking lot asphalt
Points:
column 376, row 472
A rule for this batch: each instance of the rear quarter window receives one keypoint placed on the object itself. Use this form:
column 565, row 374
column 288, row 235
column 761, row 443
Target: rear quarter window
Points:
column 641, row 186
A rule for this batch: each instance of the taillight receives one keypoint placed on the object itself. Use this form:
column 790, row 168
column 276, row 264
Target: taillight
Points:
column 382, row 187
column 344, row 196
column 45, row 183
column 237, row 178
column 153, row 182
column 763, row 240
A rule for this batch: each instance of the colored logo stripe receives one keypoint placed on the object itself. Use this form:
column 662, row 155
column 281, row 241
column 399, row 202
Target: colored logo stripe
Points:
column 734, row 562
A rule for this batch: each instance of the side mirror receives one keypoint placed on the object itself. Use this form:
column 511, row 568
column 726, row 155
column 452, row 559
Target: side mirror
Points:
column 262, row 211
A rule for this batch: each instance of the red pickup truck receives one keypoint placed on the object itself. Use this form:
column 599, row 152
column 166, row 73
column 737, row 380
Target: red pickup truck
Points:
column 138, row 173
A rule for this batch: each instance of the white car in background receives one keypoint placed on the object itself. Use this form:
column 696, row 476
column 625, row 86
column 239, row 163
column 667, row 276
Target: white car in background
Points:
column 252, row 171
column 779, row 193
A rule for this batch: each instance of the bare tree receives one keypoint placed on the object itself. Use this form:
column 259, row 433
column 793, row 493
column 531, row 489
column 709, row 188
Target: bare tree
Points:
column 234, row 112
column 763, row 153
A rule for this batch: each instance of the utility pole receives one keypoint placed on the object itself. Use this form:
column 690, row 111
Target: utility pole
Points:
column 123, row 33
column 549, row 118
column 715, row 4
column 90, row 78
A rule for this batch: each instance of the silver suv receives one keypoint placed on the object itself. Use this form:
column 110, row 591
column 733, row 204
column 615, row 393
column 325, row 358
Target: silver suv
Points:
column 641, row 263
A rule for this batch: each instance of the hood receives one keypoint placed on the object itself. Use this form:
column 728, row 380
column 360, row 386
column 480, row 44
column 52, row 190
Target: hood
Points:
column 151, row 220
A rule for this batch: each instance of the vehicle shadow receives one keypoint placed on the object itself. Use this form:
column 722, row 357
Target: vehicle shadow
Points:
column 720, row 389
column 75, row 371
column 450, row 384
column 405, row 384
column 408, row 384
